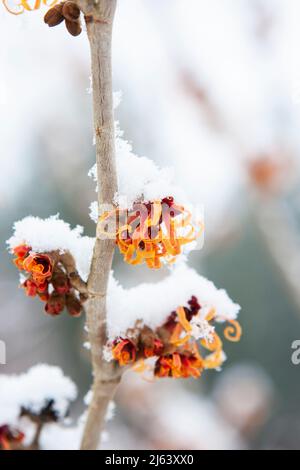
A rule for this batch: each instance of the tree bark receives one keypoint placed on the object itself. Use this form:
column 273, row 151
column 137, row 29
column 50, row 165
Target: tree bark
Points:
column 99, row 15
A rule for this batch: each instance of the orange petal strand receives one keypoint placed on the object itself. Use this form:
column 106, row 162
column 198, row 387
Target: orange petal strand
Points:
column 183, row 320
column 27, row 7
column 182, row 341
column 11, row 11
column 214, row 345
column 176, row 361
column 214, row 360
column 156, row 206
column 176, row 333
column 172, row 249
column 129, row 254
column 211, row 315
column 45, row 2
column 233, row 332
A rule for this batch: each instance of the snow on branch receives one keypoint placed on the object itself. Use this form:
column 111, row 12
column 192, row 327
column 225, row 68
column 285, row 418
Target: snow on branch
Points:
column 161, row 336
column 152, row 303
column 152, row 221
column 139, row 178
column 53, row 234
column 40, row 387
column 54, row 262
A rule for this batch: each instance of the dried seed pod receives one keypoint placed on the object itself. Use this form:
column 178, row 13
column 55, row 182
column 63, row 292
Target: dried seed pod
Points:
column 71, row 11
column 54, row 16
column 74, row 27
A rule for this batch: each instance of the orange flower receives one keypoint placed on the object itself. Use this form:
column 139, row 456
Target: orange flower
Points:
column 175, row 344
column 40, row 266
column 168, row 366
column 9, row 437
column 17, row 8
column 150, row 231
column 21, row 251
column 48, row 269
column 179, row 365
column 124, row 351
column 30, row 288
column 192, row 366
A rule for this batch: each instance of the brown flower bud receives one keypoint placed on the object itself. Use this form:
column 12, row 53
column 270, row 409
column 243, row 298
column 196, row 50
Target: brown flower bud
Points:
column 71, row 11
column 54, row 16
column 73, row 305
column 60, row 282
column 74, row 27
column 55, row 304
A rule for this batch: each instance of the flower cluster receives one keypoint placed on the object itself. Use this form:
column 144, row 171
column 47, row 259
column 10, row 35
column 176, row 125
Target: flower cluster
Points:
column 149, row 232
column 174, row 346
column 10, row 438
column 51, row 277
column 17, row 8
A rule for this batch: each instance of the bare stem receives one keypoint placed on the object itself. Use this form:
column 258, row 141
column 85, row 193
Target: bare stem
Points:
column 35, row 444
column 99, row 20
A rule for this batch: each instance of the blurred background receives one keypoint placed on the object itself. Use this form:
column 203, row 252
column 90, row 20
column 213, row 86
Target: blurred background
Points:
column 213, row 89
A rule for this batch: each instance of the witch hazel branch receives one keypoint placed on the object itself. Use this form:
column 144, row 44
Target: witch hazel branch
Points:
column 173, row 328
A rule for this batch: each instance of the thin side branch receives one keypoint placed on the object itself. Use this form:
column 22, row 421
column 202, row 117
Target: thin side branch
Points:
column 99, row 21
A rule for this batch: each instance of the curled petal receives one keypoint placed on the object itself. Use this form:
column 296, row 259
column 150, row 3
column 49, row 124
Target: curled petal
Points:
column 24, row 5
column 214, row 360
column 51, row 3
column 28, row 7
column 233, row 332
column 19, row 8
column 214, row 345
column 175, row 337
column 211, row 315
